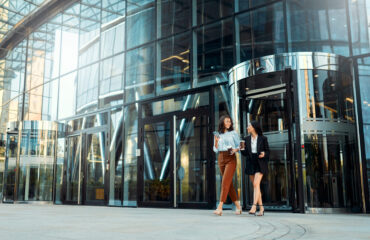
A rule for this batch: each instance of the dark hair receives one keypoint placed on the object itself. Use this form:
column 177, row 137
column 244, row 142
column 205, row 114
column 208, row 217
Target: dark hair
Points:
column 221, row 125
column 257, row 127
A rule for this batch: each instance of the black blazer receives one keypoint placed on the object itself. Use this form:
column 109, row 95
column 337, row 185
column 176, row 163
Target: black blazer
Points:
column 262, row 146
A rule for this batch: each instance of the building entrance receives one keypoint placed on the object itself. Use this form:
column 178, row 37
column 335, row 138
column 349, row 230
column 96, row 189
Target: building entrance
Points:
column 305, row 105
column 267, row 99
column 174, row 167
column 85, row 175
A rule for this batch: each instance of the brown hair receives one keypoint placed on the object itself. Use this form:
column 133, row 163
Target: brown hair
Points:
column 221, row 125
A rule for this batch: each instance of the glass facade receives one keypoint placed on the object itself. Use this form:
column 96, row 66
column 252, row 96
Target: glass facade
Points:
column 116, row 72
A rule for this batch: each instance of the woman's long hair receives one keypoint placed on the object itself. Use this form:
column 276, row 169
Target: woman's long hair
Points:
column 257, row 127
column 221, row 125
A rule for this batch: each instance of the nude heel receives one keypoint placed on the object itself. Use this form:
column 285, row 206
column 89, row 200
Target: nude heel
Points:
column 253, row 213
column 217, row 212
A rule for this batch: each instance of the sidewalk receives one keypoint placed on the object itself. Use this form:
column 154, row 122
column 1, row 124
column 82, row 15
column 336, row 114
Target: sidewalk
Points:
column 49, row 222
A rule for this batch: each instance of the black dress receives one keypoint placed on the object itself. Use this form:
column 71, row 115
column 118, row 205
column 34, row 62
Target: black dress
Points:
column 253, row 163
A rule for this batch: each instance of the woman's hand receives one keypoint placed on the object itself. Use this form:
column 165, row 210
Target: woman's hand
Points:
column 216, row 141
column 234, row 150
column 262, row 155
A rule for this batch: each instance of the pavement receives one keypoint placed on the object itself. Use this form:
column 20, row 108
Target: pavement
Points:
column 30, row 221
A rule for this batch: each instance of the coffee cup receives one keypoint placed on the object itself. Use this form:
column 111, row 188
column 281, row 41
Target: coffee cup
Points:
column 230, row 150
column 242, row 144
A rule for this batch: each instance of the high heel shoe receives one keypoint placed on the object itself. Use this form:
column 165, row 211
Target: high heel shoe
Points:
column 253, row 213
column 261, row 212
column 238, row 211
column 217, row 212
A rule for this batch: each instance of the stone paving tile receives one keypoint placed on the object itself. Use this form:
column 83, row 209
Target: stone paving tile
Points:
column 29, row 222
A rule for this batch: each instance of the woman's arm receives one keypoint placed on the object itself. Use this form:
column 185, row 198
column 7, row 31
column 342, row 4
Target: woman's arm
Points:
column 215, row 144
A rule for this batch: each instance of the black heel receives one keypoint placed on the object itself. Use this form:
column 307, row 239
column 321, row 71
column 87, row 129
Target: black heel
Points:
column 253, row 213
column 259, row 213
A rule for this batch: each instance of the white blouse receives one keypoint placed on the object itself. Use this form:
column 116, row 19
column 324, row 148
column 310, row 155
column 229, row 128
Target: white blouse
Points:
column 254, row 144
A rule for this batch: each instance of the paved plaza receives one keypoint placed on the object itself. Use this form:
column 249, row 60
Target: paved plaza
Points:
column 28, row 222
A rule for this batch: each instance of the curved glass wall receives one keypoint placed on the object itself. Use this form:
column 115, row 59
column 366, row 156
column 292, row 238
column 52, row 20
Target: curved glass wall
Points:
column 29, row 161
column 325, row 116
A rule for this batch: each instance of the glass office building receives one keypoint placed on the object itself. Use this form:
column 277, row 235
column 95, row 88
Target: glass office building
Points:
column 113, row 102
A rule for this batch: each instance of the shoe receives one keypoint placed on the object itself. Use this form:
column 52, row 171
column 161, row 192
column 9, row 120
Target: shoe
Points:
column 238, row 211
column 253, row 213
column 217, row 212
column 261, row 212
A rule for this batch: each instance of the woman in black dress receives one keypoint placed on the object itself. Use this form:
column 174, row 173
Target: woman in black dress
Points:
column 257, row 154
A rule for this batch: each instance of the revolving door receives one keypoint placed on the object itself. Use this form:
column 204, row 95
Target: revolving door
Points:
column 305, row 105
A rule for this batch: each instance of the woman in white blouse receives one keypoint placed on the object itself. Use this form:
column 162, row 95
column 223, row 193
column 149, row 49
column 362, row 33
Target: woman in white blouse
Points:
column 257, row 155
column 226, row 144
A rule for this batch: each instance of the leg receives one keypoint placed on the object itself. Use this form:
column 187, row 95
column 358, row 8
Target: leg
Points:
column 257, row 190
column 227, row 179
column 222, row 169
column 254, row 207
column 229, row 174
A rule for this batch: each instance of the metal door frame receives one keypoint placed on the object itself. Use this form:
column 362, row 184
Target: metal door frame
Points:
column 81, row 199
column 172, row 118
column 295, row 184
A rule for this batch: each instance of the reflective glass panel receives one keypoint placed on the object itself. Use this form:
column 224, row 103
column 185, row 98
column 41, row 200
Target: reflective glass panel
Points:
column 214, row 51
column 89, row 33
column 316, row 25
column 244, row 38
column 36, row 165
column 10, row 167
column 95, row 162
column 367, row 150
column 140, row 27
column 182, row 103
column 130, row 157
column 113, row 39
column 137, row 5
column 242, row 5
column 329, row 95
column 358, row 18
column 191, row 150
column 115, row 150
column 268, row 30
column 112, row 78
column 157, row 156
column 90, row 17
column 175, row 17
column 211, row 10
column 364, row 88
column 73, row 169
column 331, row 171
column 67, row 96
column 112, row 9
column 269, row 110
column 70, row 40
column 87, row 90
column 173, row 64
column 60, row 170
column 140, row 73
column 50, row 101
column 2, row 163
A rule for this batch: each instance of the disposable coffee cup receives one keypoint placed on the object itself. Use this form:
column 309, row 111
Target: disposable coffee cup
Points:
column 242, row 144
column 230, row 150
